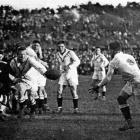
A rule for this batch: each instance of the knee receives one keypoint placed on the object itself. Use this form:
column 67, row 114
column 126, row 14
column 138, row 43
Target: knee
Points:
column 59, row 94
column 75, row 96
column 104, row 88
column 121, row 100
column 59, row 91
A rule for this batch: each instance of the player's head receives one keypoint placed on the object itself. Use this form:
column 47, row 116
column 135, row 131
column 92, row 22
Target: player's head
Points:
column 36, row 44
column 22, row 54
column 36, row 41
column 61, row 46
column 98, row 51
column 115, row 46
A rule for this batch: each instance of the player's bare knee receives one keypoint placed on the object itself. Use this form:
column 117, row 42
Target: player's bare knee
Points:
column 59, row 94
column 75, row 96
column 104, row 88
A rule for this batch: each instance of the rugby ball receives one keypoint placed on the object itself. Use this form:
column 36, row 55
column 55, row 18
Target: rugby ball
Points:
column 52, row 74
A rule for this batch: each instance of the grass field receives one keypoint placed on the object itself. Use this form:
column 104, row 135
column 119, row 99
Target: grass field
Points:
column 97, row 120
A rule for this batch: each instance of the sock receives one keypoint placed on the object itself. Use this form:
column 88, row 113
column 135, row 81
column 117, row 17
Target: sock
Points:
column 59, row 101
column 75, row 103
column 14, row 105
column 126, row 113
column 33, row 108
column 97, row 90
column 45, row 100
column 103, row 93
column 41, row 101
column 37, row 103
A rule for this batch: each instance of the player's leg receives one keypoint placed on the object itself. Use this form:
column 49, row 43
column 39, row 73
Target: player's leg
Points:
column 101, row 76
column 96, row 94
column 21, row 90
column 125, row 93
column 31, row 95
column 60, row 97
column 73, row 89
column 4, row 103
column 104, row 93
column 40, row 100
column 3, row 115
column 45, row 103
column 37, row 99
column 14, row 100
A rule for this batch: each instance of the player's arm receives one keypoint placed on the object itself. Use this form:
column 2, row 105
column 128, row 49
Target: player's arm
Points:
column 106, row 62
column 76, row 60
column 92, row 61
column 12, row 72
column 40, row 53
column 43, row 63
column 37, row 65
column 114, row 64
column 107, row 78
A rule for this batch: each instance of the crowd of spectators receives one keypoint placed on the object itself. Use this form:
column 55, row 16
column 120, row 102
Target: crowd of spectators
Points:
column 84, row 27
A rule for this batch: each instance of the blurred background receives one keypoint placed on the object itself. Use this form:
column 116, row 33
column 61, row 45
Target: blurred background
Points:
column 84, row 27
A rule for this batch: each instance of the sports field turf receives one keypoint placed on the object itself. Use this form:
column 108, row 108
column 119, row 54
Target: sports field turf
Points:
column 97, row 120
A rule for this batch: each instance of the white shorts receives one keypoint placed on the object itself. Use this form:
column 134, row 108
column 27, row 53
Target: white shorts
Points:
column 99, row 75
column 70, row 78
column 131, row 88
column 41, row 80
column 36, row 77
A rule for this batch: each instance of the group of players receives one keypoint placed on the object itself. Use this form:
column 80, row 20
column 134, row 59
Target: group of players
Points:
column 27, row 72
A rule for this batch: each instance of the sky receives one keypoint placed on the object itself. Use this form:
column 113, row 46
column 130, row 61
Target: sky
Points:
column 32, row 4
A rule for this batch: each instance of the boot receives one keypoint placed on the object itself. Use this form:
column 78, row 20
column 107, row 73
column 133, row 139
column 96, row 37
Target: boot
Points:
column 128, row 125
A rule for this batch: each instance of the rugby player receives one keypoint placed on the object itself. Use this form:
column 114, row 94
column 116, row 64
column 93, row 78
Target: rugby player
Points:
column 25, row 83
column 99, row 62
column 5, row 88
column 127, row 66
column 68, row 63
column 41, row 80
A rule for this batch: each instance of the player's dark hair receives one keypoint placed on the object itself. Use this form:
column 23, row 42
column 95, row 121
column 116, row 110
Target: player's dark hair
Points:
column 115, row 46
column 36, row 41
column 22, row 48
column 61, row 42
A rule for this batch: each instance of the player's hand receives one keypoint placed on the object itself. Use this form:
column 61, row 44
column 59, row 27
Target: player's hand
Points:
column 101, row 68
column 66, row 68
column 17, row 80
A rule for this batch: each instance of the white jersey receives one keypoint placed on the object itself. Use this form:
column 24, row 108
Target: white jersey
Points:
column 31, row 52
column 25, row 70
column 41, row 80
column 100, row 62
column 70, row 59
column 127, row 65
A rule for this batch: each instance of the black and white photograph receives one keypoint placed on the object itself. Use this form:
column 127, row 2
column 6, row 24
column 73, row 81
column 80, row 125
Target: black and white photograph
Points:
column 69, row 70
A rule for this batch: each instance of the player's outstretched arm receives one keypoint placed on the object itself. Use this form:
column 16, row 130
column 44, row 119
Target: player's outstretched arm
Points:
column 37, row 65
column 107, row 78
